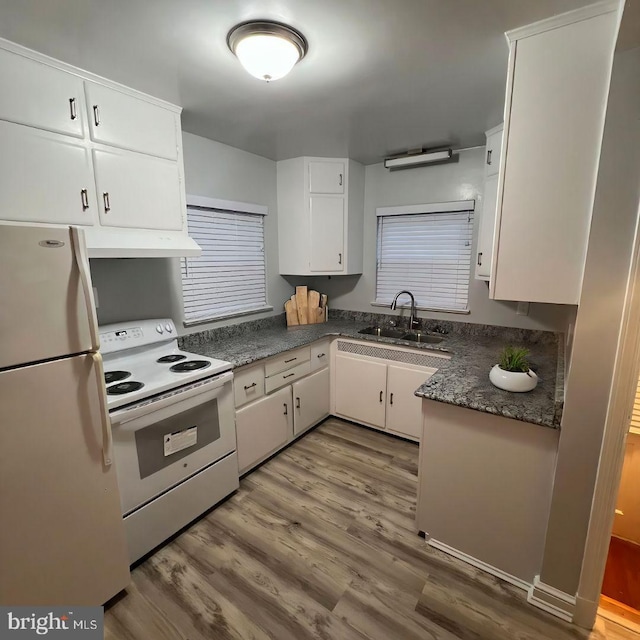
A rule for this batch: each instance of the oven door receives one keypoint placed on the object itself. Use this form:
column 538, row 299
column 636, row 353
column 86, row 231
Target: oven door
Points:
column 159, row 443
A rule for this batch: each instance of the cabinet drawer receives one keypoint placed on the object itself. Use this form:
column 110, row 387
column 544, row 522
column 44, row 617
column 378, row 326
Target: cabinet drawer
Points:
column 248, row 385
column 286, row 361
column 319, row 355
column 130, row 123
column 286, row 377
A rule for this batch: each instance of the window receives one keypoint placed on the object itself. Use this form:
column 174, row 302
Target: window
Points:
column 427, row 250
column 229, row 278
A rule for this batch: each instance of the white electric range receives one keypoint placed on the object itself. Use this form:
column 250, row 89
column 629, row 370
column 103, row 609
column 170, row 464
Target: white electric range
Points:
column 173, row 424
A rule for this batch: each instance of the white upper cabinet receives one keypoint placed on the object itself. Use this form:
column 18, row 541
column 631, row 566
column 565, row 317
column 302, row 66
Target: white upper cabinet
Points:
column 326, row 177
column 41, row 96
column 320, row 216
column 45, row 176
column 557, row 90
column 135, row 190
column 120, row 120
column 494, row 145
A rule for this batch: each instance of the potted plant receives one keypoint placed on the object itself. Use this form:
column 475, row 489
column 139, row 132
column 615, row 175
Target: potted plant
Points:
column 513, row 372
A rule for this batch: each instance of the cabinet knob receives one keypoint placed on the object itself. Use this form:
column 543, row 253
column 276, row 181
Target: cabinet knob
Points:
column 107, row 202
column 479, row 258
column 96, row 115
column 84, row 198
column 73, row 113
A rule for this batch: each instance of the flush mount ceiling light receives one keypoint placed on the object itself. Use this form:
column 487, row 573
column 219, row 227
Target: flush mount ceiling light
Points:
column 267, row 50
column 417, row 159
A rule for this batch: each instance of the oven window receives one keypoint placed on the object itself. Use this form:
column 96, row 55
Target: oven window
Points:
column 192, row 429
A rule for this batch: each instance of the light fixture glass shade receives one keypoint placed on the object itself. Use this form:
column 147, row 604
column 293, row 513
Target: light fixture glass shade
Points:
column 266, row 56
column 267, row 50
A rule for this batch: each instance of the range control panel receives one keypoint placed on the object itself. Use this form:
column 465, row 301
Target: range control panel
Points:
column 121, row 336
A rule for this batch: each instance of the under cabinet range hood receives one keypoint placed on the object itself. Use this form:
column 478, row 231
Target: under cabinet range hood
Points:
column 139, row 243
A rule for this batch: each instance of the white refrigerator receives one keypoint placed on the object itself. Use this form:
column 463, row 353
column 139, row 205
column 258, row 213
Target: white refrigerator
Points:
column 62, row 539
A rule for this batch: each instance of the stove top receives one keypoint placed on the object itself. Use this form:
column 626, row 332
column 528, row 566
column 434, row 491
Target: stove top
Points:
column 141, row 361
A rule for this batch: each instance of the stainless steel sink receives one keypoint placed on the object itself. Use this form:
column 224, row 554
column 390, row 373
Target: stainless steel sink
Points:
column 402, row 334
column 384, row 332
column 425, row 338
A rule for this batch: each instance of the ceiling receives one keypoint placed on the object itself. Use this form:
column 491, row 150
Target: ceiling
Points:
column 381, row 76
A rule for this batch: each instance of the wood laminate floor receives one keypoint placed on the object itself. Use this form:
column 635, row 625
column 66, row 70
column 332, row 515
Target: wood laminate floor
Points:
column 319, row 542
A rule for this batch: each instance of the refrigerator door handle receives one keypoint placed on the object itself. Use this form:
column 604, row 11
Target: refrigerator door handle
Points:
column 107, row 436
column 82, row 261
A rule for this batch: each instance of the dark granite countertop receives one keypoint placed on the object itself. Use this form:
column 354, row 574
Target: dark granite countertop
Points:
column 463, row 380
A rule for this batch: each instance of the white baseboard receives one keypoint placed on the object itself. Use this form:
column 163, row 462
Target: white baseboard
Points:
column 552, row 600
column 494, row 571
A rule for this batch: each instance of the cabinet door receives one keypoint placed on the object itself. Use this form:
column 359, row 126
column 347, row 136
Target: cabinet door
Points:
column 327, row 234
column 484, row 253
column 44, row 177
column 627, row 519
column 137, row 191
column 404, row 408
column 326, row 177
column 360, row 390
column 40, row 96
column 310, row 400
column 492, row 158
column 123, row 121
column 262, row 427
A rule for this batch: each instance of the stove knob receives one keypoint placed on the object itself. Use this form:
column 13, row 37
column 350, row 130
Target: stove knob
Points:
column 168, row 327
column 159, row 328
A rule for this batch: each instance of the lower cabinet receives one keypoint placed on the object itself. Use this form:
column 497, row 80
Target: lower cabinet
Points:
column 294, row 402
column 262, row 427
column 404, row 408
column 310, row 400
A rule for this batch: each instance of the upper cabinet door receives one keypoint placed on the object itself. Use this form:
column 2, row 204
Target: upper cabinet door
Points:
column 137, row 191
column 45, row 177
column 492, row 159
column 484, row 253
column 326, row 177
column 327, row 234
column 120, row 120
column 40, row 96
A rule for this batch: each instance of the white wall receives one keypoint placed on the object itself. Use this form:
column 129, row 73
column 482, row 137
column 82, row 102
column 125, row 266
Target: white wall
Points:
column 462, row 180
column 144, row 288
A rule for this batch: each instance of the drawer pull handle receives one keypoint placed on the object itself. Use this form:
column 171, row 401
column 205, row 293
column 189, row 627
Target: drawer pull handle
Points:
column 96, row 115
column 479, row 258
column 321, row 355
column 249, row 386
column 107, row 202
column 391, row 399
column 381, row 394
column 339, row 258
column 340, row 179
column 291, row 360
column 286, row 409
column 297, row 403
column 289, row 375
column 84, row 197
column 73, row 113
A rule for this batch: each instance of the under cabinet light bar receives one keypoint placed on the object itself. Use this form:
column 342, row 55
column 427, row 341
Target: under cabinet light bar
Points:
column 417, row 159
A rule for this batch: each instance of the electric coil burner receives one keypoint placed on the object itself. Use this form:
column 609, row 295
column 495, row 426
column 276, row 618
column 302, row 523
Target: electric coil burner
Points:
column 115, row 376
column 172, row 357
column 124, row 387
column 189, row 365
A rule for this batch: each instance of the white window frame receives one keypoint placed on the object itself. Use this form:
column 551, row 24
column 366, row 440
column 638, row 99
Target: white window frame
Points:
column 232, row 206
column 467, row 206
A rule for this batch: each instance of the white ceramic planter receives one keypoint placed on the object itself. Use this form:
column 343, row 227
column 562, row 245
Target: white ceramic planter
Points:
column 517, row 381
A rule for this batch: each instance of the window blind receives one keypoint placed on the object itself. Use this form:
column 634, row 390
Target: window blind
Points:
column 427, row 253
column 635, row 413
column 230, row 275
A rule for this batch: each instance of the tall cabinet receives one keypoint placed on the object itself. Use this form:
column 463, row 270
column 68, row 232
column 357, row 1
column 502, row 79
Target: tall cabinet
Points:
column 320, row 216
column 557, row 88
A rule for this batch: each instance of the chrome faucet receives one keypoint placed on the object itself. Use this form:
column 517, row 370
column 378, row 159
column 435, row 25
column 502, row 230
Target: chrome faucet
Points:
column 412, row 318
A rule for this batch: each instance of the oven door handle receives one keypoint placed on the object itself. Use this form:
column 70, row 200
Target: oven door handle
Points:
column 107, row 436
column 131, row 413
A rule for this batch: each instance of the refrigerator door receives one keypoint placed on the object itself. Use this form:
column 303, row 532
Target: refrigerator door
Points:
column 62, row 538
column 47, row 308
